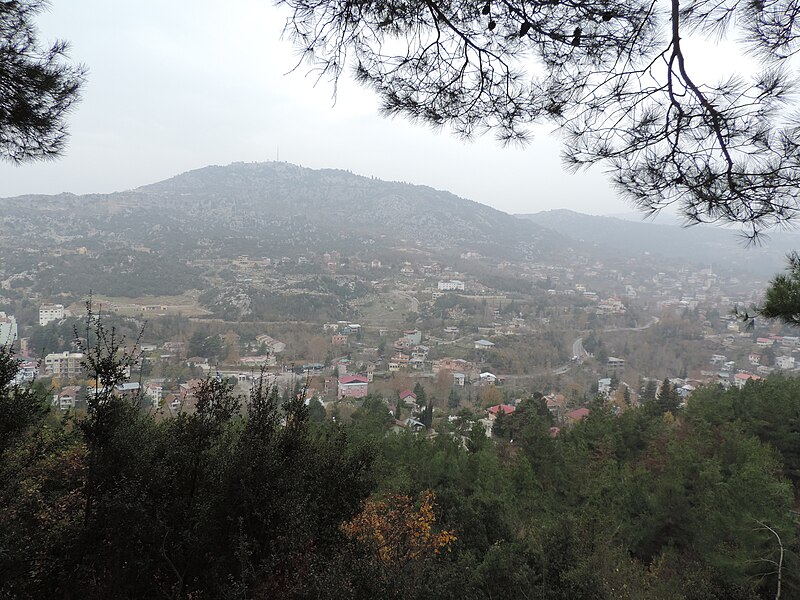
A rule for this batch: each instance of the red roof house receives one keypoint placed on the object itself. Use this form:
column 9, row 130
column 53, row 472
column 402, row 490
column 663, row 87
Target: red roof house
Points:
column 577, row 415
column 352, row 386
column 506, row 409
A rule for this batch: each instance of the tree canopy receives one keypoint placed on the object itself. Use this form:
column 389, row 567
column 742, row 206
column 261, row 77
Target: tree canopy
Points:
column 614, row 75
column 38, row 86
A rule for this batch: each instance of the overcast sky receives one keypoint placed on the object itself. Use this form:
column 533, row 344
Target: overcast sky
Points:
column 179, row 85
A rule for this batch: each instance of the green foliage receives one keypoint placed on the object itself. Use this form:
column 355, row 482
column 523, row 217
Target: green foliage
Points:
column 372, row 418
column 247, row 499
column 39, row 86
column 782, row 296
column 668, row 399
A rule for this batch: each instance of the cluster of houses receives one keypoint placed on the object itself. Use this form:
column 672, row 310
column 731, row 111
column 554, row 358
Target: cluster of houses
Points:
column 727, row 374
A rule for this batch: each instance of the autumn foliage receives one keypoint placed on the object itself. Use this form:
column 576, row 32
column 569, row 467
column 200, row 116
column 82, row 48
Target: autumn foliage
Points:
column 399, row 530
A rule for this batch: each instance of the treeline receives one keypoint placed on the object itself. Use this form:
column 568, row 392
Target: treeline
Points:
column 257, row 499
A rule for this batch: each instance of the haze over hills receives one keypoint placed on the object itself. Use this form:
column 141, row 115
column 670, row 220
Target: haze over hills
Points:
column 269, row 207
column 702, row 244
column 148, row 240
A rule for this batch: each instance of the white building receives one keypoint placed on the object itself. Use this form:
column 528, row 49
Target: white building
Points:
column 65, row 364
column 785, row 362
column 154, row 392
column 8, row 329
column 451, row 285
column 49, row 313
column 272, row 345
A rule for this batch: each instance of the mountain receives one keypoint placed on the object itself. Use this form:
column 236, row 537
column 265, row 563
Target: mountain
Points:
column 158, row 239
column 701, row 244
column 278, row 207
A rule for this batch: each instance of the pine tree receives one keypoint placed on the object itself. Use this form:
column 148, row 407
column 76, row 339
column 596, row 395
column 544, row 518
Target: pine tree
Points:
column 668, row 399
column 453, row 399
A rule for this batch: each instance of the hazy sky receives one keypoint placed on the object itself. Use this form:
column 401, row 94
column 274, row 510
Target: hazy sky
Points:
column 178, row 85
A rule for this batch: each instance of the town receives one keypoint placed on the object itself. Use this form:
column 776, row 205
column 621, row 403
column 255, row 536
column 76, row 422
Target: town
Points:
column 474, row 337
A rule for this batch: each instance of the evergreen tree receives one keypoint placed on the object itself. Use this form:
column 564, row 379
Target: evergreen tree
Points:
column 427, row 416
column 38, row 86
column 668, row 399
column 648, row 391
column 419, row 392
column 453, row 399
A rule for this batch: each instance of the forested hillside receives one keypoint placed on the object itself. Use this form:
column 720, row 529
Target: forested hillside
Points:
column 268, row 499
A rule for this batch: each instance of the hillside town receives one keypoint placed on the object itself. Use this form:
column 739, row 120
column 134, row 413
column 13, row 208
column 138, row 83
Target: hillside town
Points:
column 476, row 336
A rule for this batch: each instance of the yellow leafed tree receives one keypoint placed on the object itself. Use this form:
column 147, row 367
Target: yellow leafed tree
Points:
column 398, row 530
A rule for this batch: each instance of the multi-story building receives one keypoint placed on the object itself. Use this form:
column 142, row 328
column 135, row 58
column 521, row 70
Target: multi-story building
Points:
column 63, row 364
column 49, row 313
column 8, row 329
column 451, row 285
column 352, row 386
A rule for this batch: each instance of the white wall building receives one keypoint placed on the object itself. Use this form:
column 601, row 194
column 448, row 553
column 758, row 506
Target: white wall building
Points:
column 49, row 313
column 8, row 329
column 65, row 364
column 453, row 284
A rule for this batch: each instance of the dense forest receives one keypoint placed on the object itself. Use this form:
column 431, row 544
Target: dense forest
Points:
column 267, row 498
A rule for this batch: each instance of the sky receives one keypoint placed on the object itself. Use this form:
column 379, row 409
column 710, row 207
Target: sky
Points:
column 179, row 85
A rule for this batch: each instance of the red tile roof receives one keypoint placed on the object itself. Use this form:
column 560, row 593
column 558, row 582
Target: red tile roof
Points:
column 578, row 414
column 506, row 408
column 352, row 379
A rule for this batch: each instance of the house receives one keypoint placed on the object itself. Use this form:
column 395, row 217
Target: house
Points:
column 262, row 360
column 187, row 394
column 604, row 386
column 483, row 345
column 459, row 379
column 576, row 416
column 764, row 342
column 754, row 358
column 413, row 424
column 487, row 378
column 413, row 337
column 555, row 404
column 506, row 409
column 28, row 371
column 173, row 401
column 416, row 362
column 741, row 379
column 352, row 386
column 611, row 306
column 718, row 359
column 408, row 397
column 785, row 362
column 615, row 363
column 273, row 346
column 67, row 397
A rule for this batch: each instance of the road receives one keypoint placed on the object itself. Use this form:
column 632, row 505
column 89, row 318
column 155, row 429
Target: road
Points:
column 579, row 351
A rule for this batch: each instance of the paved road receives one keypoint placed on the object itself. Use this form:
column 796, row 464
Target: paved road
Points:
column 579, row 351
